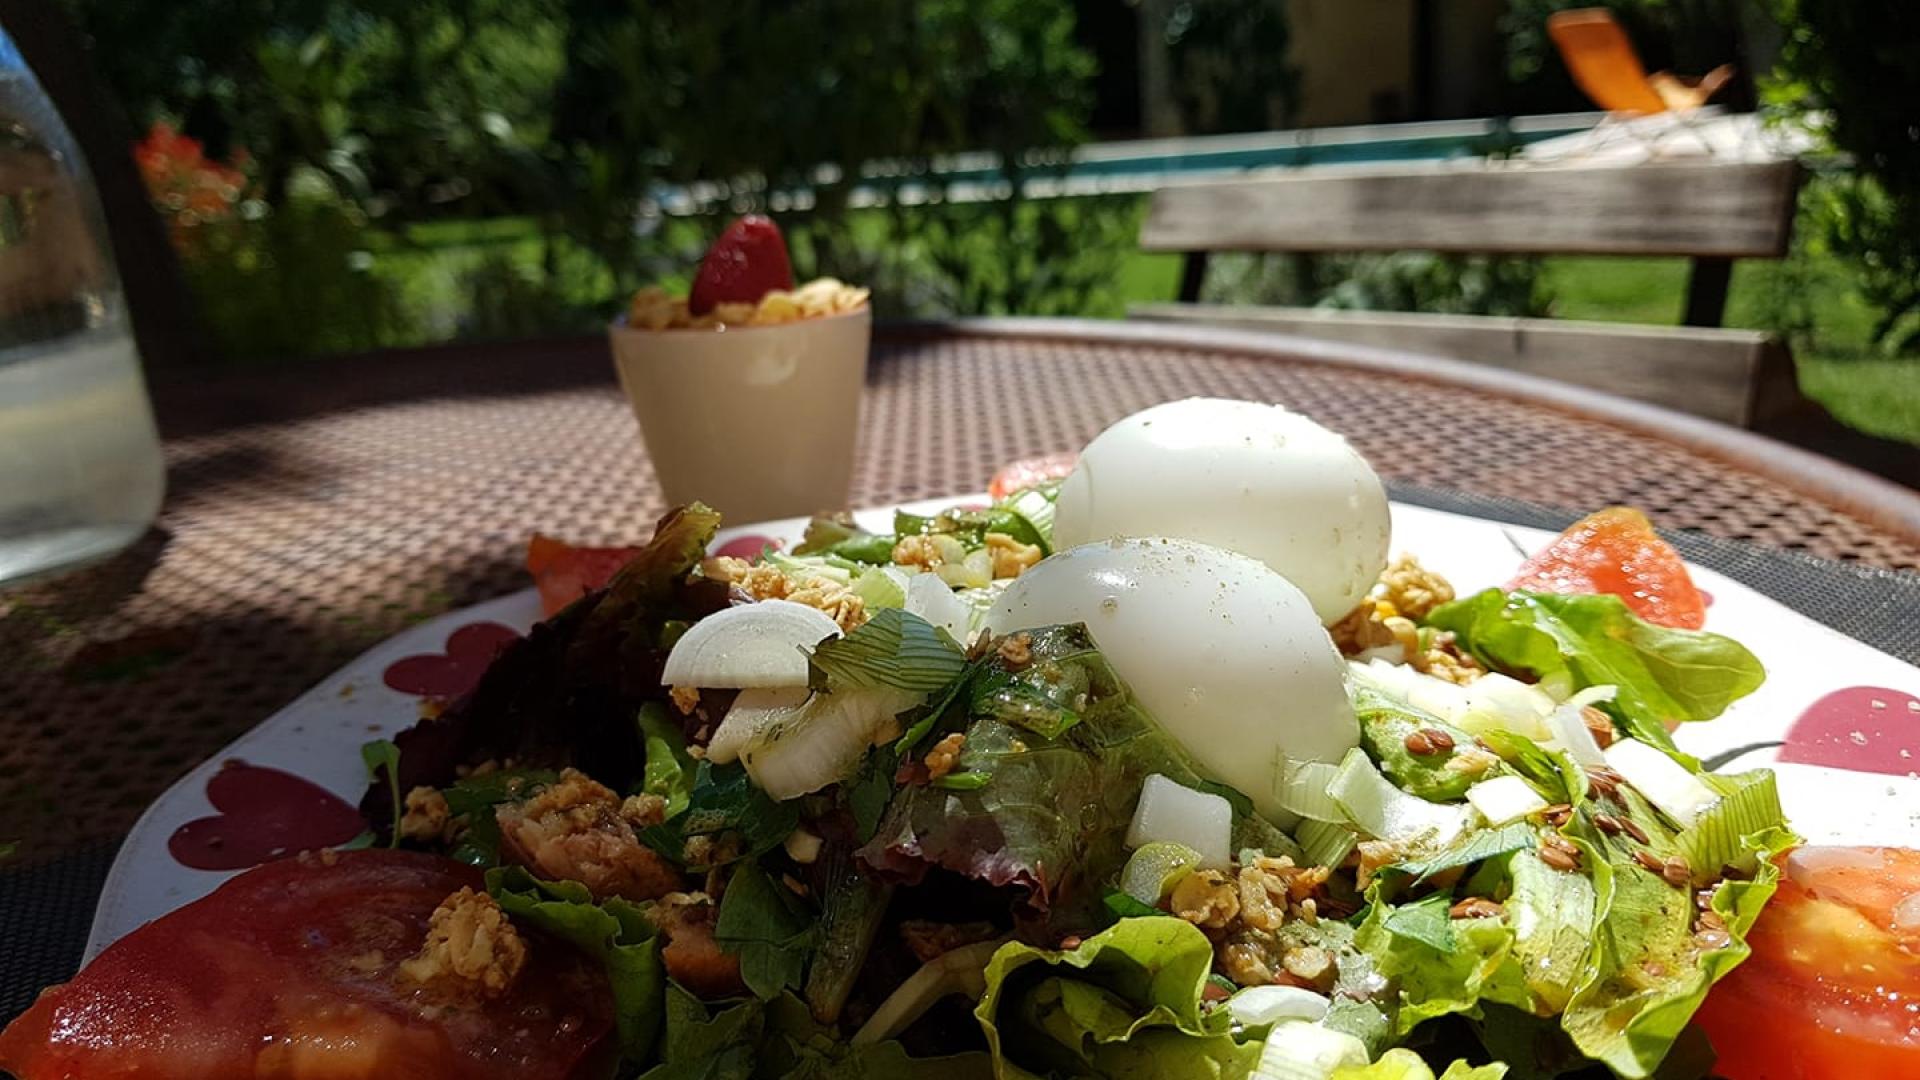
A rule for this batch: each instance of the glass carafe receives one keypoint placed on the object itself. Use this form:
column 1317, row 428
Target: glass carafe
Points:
column 81, row 474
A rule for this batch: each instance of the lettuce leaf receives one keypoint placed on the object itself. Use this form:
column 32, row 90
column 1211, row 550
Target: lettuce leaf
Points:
column 471, row 800
column 723, row 799
column 1404, row 1064
column 1552, row 915
column 1053, row 817
column 1428, row 981
column 778, row 1040
column 1662, row 674
column 616, row 932
column 1126, row 1003
column 567, row 693
column 768, row 927
column 669, row 770
column 1384, row 727
column 837, row 534
column 1644, row 977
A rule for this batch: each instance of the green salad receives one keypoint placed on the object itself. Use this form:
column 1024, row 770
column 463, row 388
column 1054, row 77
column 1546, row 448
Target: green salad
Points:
column 953, row 800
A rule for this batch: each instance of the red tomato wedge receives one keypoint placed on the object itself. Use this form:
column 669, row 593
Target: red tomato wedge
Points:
column 1832, row 991
column 1616, row 551
column 564, row 573
column 1030, row 472
column 287, row 971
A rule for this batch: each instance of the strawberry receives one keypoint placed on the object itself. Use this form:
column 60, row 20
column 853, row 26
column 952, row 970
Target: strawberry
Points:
column 746, row 263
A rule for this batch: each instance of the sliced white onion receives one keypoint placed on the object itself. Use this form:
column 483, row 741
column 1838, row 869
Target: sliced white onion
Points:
column 1505, row 798
column 749, row 645
column 1665, row 782
column 1258, row 1006
column 752, row 712
column 1297, row 1050
column 823, row 740
column 1174, row 813
column 1594, row 695
column 1381, row 810
column 1571, row 734
column 933, row 600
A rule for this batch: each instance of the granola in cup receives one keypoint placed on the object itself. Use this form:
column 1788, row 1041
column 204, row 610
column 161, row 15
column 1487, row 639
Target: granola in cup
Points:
column 747, row 390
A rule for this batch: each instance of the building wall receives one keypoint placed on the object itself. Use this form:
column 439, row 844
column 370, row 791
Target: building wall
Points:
column 1355, row 59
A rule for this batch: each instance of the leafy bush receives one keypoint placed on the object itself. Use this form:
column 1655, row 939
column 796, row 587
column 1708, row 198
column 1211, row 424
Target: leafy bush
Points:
column 585, row 116
column 295, row 282
column 1228, row 61
column 1849, row 69
column 1400, row 281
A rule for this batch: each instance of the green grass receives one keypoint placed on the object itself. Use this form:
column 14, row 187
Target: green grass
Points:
column 430, row 265
column 1837, row 365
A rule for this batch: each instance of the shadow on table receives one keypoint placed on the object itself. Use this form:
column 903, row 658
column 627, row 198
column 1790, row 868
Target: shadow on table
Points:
column 201, row 402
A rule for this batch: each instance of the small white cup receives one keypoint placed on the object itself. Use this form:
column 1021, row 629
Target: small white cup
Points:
column 757, row 422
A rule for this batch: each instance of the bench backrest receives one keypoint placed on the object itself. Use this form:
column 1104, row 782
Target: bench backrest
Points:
column 1702, row 209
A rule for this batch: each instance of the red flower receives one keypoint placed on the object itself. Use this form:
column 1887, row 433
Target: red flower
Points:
column 188, row 188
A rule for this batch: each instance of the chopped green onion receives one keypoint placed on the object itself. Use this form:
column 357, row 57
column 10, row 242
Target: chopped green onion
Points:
column 1749, row 804
column 964, row 781
column 1036, row 505
column 1153, row 871
column 1371, row 802
column 1303, row 790
column 1297, row 1050
column 882, row 587
column 1258, row 1006
column 1325, row 843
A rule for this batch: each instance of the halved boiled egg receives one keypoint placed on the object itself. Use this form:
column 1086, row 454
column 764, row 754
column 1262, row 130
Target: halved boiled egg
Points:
column 1225, row 653
column 1248, row 477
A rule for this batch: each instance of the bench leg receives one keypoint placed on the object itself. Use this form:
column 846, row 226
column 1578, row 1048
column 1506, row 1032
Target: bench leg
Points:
column 1707, row 292
column 1193, row 272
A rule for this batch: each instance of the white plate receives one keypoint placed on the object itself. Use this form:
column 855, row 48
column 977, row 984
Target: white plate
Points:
column 1866, row 703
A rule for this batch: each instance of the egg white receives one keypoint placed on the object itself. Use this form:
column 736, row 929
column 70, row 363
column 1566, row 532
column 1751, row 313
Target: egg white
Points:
column 1225, row 653
column 1248, row 477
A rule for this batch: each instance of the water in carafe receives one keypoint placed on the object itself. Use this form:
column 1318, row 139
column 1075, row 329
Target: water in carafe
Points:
column 80, row 467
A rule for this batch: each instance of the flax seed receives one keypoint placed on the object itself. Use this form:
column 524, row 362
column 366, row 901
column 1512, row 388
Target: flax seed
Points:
column 1650, row 861
column 1676, row 872
column 1713, row 939
column 1604, row 781
column 1559, row 854
column 1558, row 814
column 1475, row 907
column 1634, row 830
column 1608, row 824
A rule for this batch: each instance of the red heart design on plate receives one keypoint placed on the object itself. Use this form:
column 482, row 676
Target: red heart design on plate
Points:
column 452, row 673
column 265, row 814
column 747, row 547
column 1862, row 728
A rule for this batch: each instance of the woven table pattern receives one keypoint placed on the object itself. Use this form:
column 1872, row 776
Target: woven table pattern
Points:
column 313, row 513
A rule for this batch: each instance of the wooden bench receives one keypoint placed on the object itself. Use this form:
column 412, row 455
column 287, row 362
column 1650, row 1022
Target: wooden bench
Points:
column 1711, row 212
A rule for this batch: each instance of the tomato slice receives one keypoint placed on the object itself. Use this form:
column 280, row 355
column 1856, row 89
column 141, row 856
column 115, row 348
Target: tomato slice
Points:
column 1616, row 551
column 1833, row 987
column 1031, row 472
column 564, row 572
column 288, row 971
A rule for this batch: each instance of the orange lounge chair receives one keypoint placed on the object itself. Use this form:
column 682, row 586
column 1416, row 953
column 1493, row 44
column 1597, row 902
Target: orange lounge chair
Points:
column 1598, row 53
